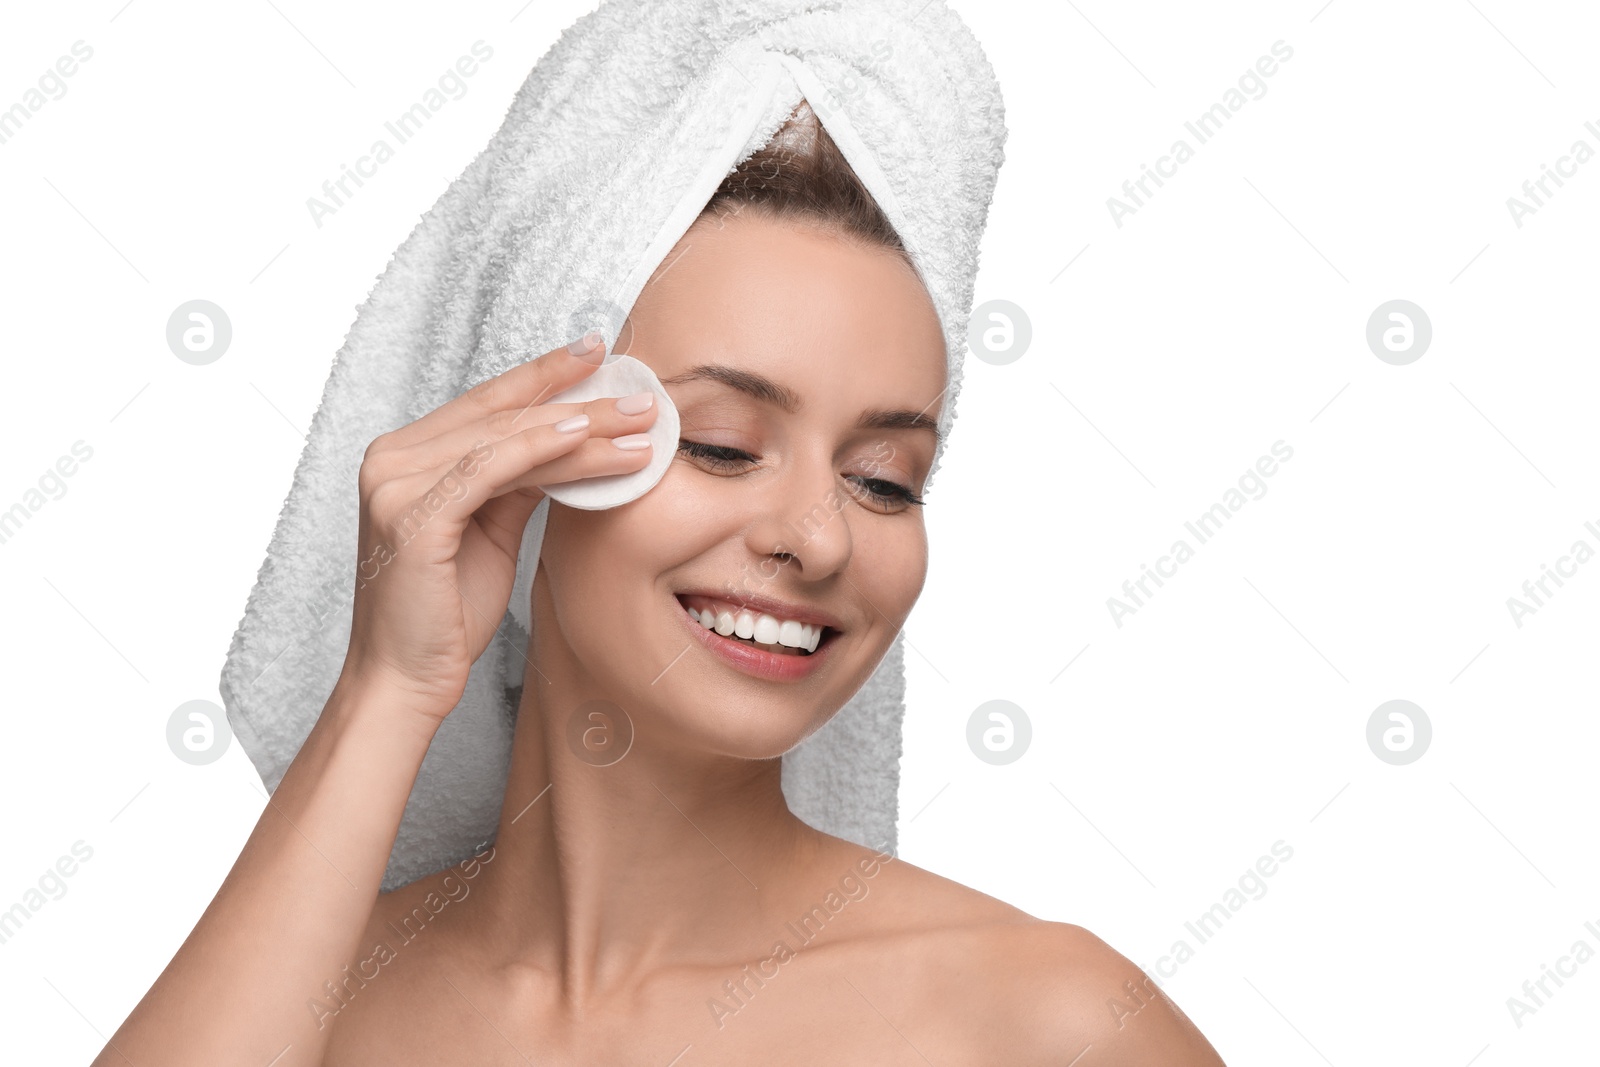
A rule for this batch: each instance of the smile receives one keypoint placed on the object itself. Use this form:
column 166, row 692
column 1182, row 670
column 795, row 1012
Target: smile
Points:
column 756, row 642
column 768, row 632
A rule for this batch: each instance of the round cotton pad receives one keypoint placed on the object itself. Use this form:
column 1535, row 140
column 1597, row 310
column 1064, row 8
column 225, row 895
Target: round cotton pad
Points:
column 622, row 376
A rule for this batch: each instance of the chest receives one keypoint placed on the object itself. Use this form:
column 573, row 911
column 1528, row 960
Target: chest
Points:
column 813, row 1008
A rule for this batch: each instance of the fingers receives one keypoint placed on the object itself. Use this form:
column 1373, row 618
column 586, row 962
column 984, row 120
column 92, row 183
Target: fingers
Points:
column 522, row 386
column 542, row 455
column 606, row 419
column 596, row 457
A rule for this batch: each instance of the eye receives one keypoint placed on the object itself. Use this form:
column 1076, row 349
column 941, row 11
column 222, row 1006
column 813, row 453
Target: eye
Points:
column 879, row 491
column 719, row 456
column 887, row 492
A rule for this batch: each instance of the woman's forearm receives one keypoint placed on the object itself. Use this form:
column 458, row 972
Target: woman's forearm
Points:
column 290, row 913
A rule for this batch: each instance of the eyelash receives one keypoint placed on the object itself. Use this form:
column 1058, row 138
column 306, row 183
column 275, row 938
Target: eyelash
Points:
column 721, row 455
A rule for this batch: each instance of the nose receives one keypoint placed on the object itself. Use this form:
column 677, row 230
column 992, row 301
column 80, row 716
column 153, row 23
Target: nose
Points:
column 804, row 519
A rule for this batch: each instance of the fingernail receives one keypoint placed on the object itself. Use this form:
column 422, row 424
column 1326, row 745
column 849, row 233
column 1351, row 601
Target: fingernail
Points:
column 633, row 442
column 584, row 343
column 577, row 422
column 637, row 403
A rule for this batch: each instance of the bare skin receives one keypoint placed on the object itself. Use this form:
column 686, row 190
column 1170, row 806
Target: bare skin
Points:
column 631, row 912
column 910, row 969
column 614, row 909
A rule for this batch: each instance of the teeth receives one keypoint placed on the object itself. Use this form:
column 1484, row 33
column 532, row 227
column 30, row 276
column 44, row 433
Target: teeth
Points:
column 760, row 628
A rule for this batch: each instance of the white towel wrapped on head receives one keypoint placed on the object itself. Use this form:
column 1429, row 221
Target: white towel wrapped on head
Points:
column 610, row 150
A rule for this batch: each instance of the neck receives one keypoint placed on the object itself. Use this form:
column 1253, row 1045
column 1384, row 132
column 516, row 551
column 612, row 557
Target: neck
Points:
column 606, row 869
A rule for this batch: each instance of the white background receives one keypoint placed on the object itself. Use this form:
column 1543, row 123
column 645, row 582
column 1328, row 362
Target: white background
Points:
column 1167, row 355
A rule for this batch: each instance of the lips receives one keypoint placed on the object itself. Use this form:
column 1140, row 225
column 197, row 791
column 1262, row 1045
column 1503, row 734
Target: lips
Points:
column 749, row 657
column 785, row 635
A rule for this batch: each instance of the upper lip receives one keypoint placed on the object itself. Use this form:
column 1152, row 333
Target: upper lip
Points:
column 779, row 609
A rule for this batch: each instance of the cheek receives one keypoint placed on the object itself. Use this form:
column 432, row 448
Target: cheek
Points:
column 890, row 561
column 673, row 522
column 679, row 500
column 622, row 552
column 600, row 564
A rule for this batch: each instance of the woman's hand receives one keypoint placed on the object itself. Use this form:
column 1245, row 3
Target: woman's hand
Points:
column 444, row 503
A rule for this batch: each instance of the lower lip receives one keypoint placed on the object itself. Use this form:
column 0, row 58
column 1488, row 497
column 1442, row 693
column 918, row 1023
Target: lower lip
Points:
column 752, row 660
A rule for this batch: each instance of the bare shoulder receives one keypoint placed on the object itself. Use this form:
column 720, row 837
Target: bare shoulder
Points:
column 1079, row 997
column 412, row 937
column 924, row 900
column 1013, row 987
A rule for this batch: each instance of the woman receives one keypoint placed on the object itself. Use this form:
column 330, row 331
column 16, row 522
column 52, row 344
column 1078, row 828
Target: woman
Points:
column 662, row 905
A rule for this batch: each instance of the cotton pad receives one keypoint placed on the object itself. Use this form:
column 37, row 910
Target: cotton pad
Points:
column 621, row 376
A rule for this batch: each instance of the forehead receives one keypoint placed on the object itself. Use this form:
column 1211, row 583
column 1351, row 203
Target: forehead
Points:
column 813, row 310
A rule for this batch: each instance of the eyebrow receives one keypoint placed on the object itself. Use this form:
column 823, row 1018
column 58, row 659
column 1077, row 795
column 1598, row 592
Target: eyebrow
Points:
column 764, row 389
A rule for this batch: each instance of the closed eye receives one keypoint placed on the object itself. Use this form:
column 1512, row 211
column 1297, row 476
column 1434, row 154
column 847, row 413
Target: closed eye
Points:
column 724, row 458
column 716, row 455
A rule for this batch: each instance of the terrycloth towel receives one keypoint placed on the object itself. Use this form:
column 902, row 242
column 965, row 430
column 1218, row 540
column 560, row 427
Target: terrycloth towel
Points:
column 612, row 146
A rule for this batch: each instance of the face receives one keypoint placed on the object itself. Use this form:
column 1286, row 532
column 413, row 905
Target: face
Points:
column 790, row 485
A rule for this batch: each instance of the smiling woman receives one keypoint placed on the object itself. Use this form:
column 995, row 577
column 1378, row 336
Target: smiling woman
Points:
column 632, row 889
column 787, row 422
column 648, row 873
